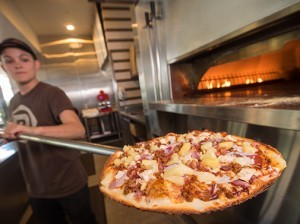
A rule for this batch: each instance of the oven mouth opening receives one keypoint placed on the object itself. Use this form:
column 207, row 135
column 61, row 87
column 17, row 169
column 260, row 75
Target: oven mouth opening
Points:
column 276, row 65
column 265, row 56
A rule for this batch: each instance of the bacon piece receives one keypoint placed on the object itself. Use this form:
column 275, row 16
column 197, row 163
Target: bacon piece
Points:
column 240, row 183
column 226, row 167
column 236, row 167
column 252, row 179
column 223, row 151
column 160, row 165
column 194, row 189
column 258, row 161
column 162, row 156
column 131, row 186
column 202, row 167
column 192, row 164
column 177, row 147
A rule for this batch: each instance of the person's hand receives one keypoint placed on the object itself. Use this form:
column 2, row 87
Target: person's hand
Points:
column 12, row 130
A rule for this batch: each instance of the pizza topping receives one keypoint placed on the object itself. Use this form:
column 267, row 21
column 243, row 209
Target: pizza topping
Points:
column 241, row 183
column 248, row 148
column 223, row 179
column 202, row 165
column 119, row 180
column 147, row 175
column 150, row 165
column 246, row 173
column 244, row 161
column 196, row 190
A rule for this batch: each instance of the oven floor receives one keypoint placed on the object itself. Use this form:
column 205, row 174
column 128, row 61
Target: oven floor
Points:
column 278, row 95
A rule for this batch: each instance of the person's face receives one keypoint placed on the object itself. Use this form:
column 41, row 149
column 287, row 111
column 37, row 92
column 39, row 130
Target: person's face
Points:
column 20, row 65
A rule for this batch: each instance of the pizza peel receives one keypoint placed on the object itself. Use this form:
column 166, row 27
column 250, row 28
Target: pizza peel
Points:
column 72, row 144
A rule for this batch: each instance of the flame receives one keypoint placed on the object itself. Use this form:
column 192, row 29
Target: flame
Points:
column 249, row 81
column 210, row 85
column 259, row 80
column 226, row 83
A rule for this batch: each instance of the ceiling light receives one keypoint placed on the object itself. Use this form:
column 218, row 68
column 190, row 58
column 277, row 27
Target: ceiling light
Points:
column 70, row 27
column 75, row 45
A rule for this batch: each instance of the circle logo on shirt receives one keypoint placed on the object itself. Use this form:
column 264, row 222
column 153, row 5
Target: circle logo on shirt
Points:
column 23, row 115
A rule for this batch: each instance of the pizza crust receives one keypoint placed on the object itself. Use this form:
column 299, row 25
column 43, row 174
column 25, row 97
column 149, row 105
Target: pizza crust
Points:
column 196, row 206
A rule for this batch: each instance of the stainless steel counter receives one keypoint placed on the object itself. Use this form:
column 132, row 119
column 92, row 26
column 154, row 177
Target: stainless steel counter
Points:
column 237, row 109
column 274, row 104
column 135, row 116
column 7, row 150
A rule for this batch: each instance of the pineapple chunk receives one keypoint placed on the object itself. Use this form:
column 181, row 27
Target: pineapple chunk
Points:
column 174, row 159
column 210, row 159
column 108, row 179
column 153, row 148
column 133, row 153
column 226, row 145
column 248, row 148
column 128, row 160
column 175, row 179
column 206, row 145
column 189, row 136
column 211, row 162
column 163, row 141
column 178, row 170
column 117, row 162
column 126, row 148
column 181, row 138
column 150, row 165
column 206, row 177
column 184, row 149
column 277, row 161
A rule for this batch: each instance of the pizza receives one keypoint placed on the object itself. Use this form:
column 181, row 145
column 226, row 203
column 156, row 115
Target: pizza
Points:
column 191, row 173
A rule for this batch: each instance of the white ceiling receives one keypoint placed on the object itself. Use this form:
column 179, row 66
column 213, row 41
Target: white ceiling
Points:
column 49, row 17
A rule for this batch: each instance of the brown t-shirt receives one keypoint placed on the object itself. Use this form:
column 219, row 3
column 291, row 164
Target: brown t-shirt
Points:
column 49, row 171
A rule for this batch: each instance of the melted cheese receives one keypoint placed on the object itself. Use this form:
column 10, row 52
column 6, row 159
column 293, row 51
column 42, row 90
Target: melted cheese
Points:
column 120, row 174
column 223, row 179
column 244, row 161
column 147, row 175
column 226, row 158
column 246, row 173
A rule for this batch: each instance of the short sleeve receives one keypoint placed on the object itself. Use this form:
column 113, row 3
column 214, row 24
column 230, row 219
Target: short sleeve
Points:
column 58, row 101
